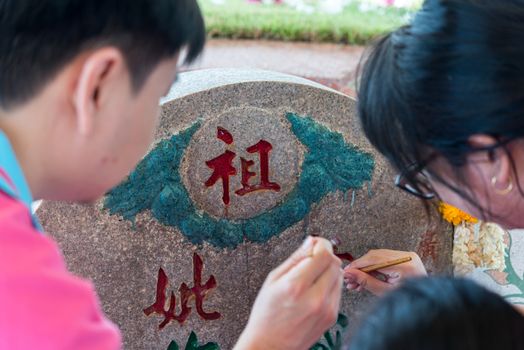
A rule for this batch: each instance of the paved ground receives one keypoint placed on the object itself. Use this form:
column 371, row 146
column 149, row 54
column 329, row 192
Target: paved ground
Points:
column 330, row 64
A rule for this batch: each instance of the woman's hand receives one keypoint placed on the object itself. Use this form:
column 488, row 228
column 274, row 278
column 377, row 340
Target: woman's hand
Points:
column 298, row 302
column 358, row 280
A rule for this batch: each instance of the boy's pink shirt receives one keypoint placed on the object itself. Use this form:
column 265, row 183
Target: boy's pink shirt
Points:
column 42, row 305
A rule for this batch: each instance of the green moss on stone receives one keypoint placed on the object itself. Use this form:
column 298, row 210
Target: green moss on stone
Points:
column 330, row 165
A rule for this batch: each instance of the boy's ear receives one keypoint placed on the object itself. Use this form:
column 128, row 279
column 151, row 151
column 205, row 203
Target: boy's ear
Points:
column 94, row 77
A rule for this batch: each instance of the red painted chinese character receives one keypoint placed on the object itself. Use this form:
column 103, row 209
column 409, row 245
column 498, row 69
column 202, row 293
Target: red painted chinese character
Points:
column 198, row 291
column 262, row 148
column 223, row 168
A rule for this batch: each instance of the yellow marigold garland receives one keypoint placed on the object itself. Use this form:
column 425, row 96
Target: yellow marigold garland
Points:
column 455, row 215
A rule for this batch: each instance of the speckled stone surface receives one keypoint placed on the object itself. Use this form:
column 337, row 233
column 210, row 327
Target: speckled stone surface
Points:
column 123, row 258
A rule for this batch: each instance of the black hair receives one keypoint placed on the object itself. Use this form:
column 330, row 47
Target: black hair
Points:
column 441, row 314
column 455, row 71
column 39, row 37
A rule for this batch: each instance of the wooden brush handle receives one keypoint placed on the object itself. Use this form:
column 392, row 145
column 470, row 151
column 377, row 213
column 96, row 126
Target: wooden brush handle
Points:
column 375, row 267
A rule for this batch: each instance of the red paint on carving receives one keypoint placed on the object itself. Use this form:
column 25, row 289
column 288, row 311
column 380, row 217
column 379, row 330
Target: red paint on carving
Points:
column 198, row 291
column 345, row 256
column 160, row 301
column 222, row 169
column 428, row 246
column 246, row 173
column 224, row 135
column 263, row 148
column 342, row 256
column 349, row 258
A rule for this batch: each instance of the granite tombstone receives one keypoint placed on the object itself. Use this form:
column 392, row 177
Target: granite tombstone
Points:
column 245, row 165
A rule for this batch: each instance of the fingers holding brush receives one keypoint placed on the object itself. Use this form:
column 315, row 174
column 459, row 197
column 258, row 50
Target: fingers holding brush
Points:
column 381, row 270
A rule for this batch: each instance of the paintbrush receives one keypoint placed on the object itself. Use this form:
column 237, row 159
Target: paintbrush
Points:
column 375, row 267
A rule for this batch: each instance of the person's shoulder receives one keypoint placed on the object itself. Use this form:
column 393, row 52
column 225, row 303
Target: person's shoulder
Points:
column 43, row 305
column 21, row 245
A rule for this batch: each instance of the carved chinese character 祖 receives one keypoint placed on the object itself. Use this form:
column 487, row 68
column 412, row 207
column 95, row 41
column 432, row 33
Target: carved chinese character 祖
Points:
column 223, row 168
column 198, row 291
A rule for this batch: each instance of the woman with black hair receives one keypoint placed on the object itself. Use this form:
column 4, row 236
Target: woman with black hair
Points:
column 438, row 314
column 442, row 98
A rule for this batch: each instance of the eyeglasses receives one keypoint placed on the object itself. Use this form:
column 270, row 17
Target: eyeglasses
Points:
column 422, row 189
column 415, row 182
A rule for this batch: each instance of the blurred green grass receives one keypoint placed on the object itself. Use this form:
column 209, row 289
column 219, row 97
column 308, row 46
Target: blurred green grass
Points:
column 238, row 19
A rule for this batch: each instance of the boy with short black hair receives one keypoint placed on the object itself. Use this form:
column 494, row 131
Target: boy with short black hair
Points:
column 72, row 74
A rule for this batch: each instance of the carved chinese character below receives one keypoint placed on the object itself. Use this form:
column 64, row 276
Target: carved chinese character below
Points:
column 198, row 291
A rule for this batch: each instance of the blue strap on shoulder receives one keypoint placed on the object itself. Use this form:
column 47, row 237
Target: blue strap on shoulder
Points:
column 18, row 189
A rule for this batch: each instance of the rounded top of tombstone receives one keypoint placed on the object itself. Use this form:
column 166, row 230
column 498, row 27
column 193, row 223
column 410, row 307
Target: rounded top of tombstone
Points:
column 196, row 81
